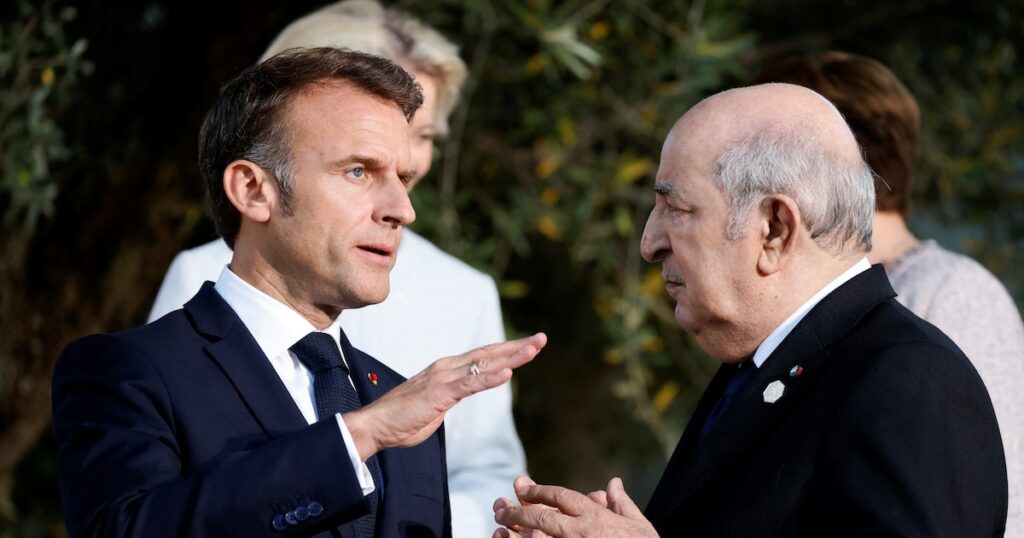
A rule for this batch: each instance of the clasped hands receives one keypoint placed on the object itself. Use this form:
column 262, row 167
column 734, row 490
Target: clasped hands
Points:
column 560, row 512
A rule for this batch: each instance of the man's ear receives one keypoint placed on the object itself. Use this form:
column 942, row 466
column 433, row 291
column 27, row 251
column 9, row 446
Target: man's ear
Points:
column 250, row 189
column 780, row 222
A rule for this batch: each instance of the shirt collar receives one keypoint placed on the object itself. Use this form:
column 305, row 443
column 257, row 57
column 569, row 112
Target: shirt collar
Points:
column 274, row 325
column 782, row 331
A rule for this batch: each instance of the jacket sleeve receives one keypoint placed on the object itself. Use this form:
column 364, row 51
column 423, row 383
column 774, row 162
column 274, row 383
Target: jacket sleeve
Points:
column 121, row 464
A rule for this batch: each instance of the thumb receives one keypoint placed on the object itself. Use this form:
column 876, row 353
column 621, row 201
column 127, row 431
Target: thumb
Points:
column 519, row 484
column 619, row 502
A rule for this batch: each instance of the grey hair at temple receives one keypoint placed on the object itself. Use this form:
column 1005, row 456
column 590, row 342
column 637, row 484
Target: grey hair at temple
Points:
column 835, row 195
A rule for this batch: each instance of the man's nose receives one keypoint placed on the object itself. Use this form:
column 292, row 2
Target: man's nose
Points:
column 396, row 207
column 654, row 244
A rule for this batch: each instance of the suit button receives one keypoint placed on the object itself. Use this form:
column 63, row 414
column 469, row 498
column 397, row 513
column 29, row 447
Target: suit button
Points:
column 290, row 518
column 278, row 523
column 302, row 513
column 315, row 509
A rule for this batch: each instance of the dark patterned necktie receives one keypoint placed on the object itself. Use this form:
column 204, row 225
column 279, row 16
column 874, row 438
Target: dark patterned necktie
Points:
column 739, row 378
column 334, row 393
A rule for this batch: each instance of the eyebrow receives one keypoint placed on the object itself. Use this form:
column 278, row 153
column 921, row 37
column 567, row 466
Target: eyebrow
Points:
column 373, row 163
column 663, row 188
column 407, row 176
column 367, row 161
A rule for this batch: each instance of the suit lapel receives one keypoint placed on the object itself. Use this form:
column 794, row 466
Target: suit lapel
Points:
column 750, row 416
column 361, row 371
column 664, row 497
column 233, row 348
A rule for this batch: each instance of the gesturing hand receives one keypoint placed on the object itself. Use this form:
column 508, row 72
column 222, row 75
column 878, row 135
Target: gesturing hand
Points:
column 410, row 412
column 561, row 512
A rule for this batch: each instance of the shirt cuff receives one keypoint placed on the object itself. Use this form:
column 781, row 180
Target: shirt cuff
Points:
column 362, row 471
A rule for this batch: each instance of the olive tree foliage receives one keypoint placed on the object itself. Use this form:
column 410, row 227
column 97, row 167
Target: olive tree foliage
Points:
column 40, row 68
column 545, row 182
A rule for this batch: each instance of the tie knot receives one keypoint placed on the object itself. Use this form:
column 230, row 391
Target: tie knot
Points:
column 318, row 352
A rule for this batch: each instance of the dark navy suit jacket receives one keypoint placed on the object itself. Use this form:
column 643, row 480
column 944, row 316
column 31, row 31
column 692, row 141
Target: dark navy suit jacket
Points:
column 883, row 428
column 183, row 428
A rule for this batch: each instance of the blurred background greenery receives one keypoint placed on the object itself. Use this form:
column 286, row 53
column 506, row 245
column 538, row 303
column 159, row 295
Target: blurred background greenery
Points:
column 544, row 183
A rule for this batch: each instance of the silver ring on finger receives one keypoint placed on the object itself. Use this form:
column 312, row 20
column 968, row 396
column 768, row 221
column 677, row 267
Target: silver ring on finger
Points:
column 474, row 369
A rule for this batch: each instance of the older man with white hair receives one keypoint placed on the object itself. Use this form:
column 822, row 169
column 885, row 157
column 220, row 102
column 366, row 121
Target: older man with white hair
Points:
column 836, row 411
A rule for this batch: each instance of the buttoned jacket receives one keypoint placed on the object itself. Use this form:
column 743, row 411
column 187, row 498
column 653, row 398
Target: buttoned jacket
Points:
column 865, row 420
column 183, row 428
column 438, row 306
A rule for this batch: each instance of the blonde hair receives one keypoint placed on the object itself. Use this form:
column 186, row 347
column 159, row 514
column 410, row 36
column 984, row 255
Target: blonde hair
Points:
column 365, row 26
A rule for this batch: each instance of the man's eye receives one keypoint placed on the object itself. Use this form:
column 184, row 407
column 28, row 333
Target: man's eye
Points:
column 357, row 172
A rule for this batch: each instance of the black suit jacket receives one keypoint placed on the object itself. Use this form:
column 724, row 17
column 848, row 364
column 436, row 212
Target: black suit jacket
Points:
column 887, row 430
column 183, row 428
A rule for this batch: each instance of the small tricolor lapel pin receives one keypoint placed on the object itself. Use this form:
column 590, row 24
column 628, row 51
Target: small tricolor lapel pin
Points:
column 372, row 377
column 796, row 371
column 774, row 391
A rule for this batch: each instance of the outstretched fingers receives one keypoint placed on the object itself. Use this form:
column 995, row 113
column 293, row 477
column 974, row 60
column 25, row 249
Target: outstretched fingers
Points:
column 496, row 357
column 413, row 410
column 490, row 366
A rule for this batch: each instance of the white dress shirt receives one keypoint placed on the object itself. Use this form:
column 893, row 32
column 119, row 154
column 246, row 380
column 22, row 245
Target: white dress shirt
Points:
column 782, row 331
column 276, row 328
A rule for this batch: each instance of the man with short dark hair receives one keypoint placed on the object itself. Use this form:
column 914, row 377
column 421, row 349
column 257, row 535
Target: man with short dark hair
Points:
column 836, row 412
column 441, row 305
column 248, row 413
